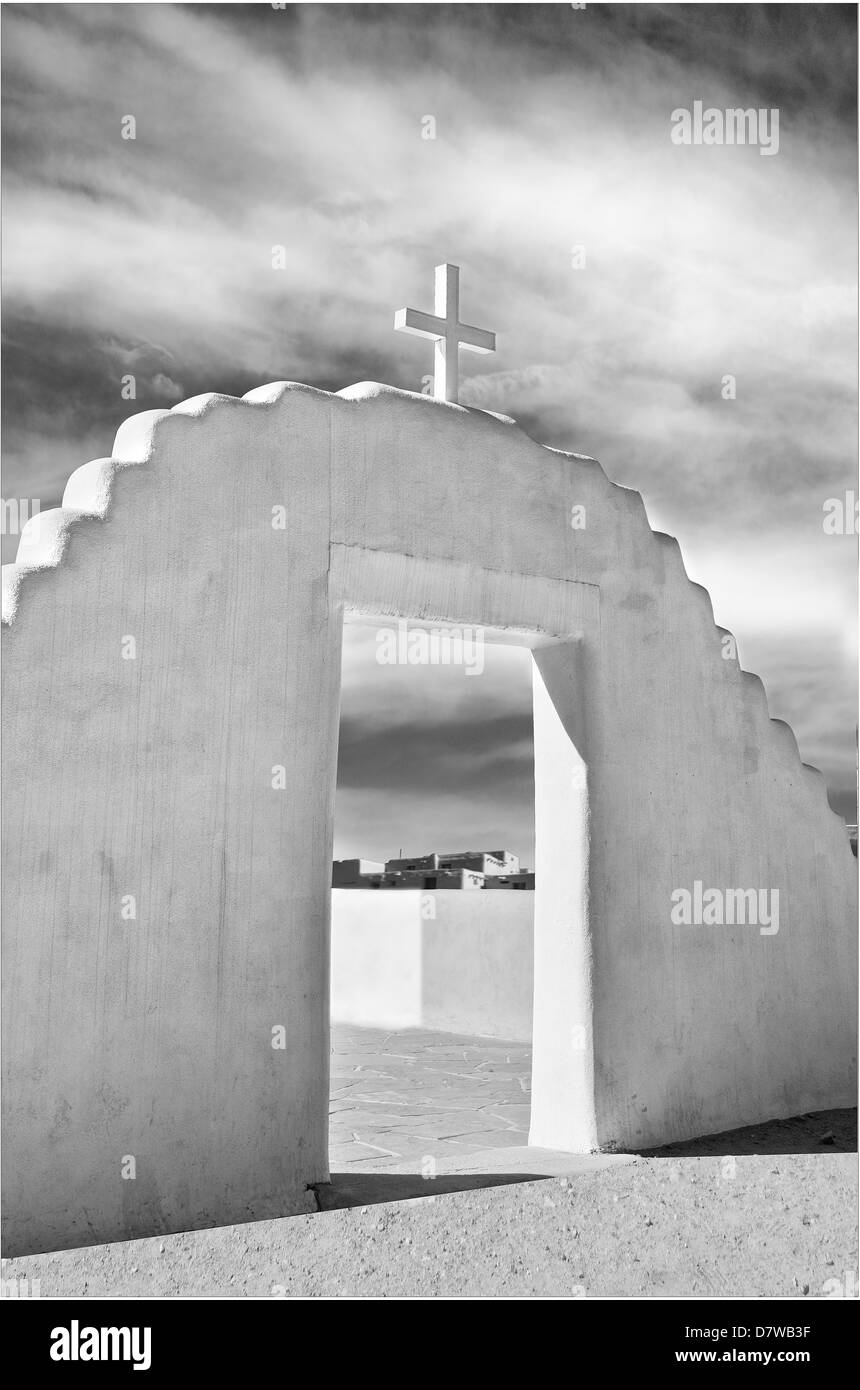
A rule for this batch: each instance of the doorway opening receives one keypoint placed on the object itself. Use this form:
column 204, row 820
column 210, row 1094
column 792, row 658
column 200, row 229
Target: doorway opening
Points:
column 432, row 923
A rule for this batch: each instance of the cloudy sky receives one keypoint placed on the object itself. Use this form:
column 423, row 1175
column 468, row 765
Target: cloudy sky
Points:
column 303, row 128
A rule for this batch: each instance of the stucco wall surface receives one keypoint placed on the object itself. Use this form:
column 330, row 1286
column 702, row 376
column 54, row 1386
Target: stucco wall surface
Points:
column 656, row 765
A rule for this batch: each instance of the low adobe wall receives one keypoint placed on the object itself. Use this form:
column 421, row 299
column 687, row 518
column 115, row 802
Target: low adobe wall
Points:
column 459, row 962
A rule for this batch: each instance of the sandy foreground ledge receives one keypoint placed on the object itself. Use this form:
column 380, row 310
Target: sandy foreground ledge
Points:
column 763, row 1225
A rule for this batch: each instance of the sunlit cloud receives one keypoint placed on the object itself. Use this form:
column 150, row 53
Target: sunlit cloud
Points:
column 302, row 128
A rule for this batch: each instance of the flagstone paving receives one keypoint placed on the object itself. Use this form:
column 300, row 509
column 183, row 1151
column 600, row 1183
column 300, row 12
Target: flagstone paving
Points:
column 423, row 1099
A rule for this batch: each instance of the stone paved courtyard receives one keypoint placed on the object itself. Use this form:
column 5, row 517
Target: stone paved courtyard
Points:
column 423, row 1099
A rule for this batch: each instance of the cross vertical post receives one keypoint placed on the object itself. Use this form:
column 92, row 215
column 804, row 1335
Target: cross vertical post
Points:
column 447, row 332
column 447, row 353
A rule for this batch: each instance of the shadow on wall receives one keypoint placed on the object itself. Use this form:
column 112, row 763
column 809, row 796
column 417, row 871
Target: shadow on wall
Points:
column 821, row 1132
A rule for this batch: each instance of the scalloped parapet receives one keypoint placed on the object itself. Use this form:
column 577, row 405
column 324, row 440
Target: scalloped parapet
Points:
column 171, row 669
column 45, row 537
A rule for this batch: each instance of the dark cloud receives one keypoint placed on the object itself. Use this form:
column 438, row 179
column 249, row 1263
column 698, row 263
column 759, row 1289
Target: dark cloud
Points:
column 302, row 128
column 490, row 756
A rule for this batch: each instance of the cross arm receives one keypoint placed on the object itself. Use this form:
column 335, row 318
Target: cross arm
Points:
column 425, row 325
column 476, row 339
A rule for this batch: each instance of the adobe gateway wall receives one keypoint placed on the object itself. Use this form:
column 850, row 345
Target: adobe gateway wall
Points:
column 456, row 962
column 169, row 799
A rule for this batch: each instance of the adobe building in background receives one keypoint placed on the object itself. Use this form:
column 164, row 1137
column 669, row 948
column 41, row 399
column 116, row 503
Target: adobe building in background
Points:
column 479, row 869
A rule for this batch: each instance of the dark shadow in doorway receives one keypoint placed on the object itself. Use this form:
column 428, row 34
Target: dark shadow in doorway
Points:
column 367, row 1189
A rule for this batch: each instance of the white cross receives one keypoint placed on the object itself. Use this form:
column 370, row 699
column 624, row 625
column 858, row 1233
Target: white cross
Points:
column 445, row 328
